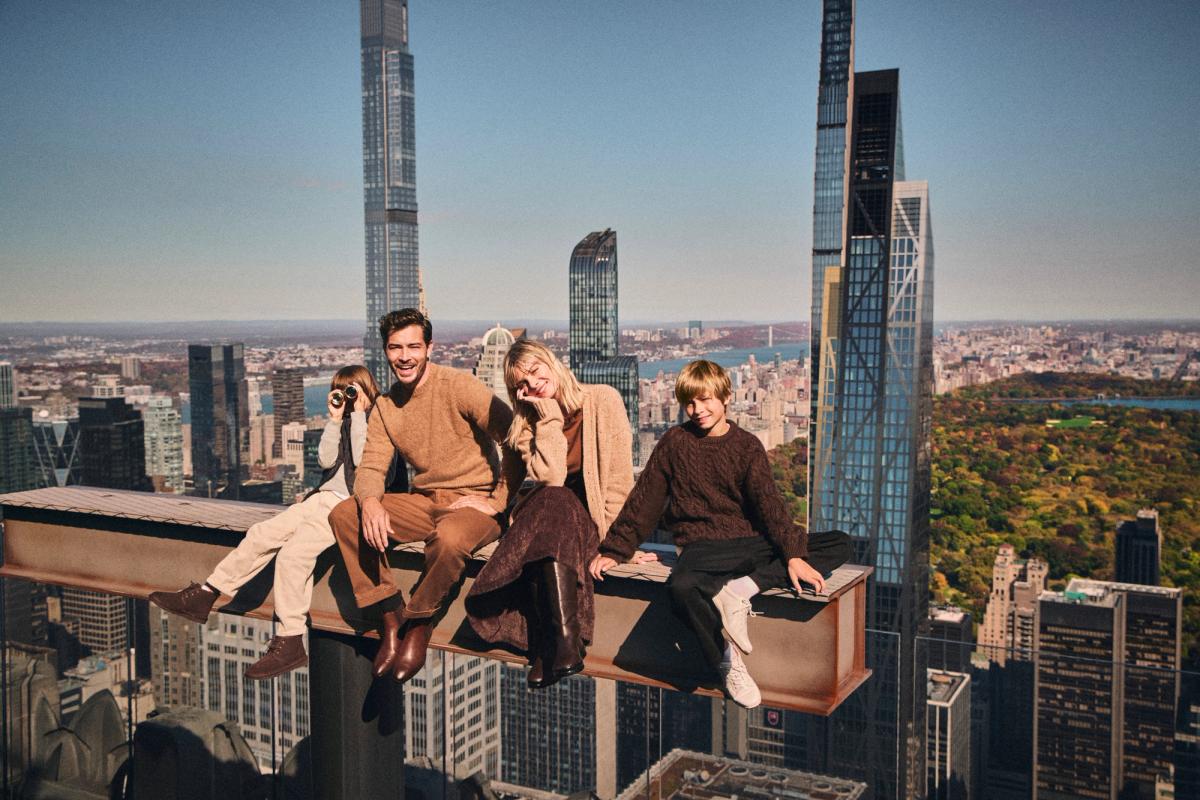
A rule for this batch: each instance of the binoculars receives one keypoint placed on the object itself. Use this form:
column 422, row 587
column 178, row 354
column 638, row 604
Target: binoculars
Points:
column 340, row 396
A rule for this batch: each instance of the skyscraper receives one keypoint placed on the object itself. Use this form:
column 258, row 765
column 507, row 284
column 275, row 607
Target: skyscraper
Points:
column 621, row 373
column 1007, row 630
column 652, row 720
column 56, row 444
column 452, row 714
column 287, row 387
column 1107, row 685
column 270, row 714
column 389, row 170
column 830, row 178
column 559, row 739
column 103, row 618
column 594, row 336
column 220, row 418
column 948, row 735
column 950, row 639
column 112, row 444
column 870, row 459
column 18, row 462
column 164, row 444
column 8, row 385
column 1139, row 545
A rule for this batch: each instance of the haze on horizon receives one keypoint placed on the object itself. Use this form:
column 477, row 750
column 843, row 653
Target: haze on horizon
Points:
column 203, row 162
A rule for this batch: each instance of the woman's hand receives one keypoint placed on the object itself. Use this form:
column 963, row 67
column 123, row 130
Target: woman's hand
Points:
column 600, row 565
column 644, row 557
column 543, row 406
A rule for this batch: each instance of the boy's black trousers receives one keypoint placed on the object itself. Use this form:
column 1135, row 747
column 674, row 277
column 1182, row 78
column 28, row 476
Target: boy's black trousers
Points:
column 704, row 567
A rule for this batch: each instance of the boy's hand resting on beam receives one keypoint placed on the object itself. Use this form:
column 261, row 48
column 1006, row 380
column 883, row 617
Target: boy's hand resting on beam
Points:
column 600, row 565
column 800, row 571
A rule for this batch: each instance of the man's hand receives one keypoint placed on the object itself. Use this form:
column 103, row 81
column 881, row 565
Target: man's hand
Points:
column 474, row 501
column 800, row 570
column 644, row 557
column 600, row 565
column 375, row 524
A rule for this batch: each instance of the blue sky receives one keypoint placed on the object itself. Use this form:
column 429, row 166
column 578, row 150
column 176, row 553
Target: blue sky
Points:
column 170, row 160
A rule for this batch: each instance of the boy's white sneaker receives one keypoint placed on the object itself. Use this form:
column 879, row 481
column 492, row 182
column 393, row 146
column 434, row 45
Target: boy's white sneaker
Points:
column 734, row 612
column 740, row 687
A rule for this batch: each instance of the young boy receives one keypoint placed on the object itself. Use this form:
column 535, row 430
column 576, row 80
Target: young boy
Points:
column 710, row 483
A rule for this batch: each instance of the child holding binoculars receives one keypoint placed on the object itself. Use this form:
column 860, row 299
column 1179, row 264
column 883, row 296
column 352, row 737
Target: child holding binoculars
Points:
column 294, row 538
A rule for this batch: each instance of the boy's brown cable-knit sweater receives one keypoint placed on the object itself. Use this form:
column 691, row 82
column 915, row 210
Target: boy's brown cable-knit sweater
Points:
column 705, row 487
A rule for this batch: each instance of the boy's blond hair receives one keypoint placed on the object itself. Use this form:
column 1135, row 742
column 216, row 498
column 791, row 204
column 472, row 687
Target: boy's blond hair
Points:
column 702, row 377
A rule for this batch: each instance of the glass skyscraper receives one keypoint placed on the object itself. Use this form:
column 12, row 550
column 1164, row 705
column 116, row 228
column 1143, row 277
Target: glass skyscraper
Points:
column 870, row 453
column 220, row 418
column 389, row 171
column 593, row 287
column 595, row 338
column 829, row 183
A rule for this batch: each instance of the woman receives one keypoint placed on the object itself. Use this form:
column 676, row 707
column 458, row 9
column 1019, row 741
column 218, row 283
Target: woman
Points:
column 534, row 593
column 294, row 538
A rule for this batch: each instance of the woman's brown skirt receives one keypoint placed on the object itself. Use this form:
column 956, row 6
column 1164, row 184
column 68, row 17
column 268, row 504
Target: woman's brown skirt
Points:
column 550, row 525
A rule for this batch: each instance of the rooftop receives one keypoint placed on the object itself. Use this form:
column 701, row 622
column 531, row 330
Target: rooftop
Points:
column 684, row 774
column 944, row 685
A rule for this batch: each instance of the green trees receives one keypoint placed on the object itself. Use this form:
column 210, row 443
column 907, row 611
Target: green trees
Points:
column 1000, row 474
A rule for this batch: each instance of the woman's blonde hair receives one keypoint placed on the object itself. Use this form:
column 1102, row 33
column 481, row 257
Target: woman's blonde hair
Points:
column 516, row 364
column 356, row 373
column 702, row 377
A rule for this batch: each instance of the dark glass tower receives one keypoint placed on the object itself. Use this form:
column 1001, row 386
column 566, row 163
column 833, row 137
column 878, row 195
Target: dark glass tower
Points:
column 593, row 285
column 112, row 443
column 1139, row 545
column 1107, row 686
column 829, row 182
column 18, row 463
column 220, row 418
column 595, row 339
column 389, row 171
column 287, row 391
column 870, row 458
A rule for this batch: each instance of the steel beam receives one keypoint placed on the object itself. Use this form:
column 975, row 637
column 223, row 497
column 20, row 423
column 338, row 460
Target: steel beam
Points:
column 809, row 653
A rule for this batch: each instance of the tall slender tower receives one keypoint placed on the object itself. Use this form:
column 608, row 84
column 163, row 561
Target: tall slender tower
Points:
column 869, row 470
column 595, row 338
column 831, row 177
column 389, row 170
column 593, row 300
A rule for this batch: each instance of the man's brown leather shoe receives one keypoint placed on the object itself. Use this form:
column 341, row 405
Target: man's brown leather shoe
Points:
column 413, row 646
column 194, row 602
column 284, row 654
column 389, row 643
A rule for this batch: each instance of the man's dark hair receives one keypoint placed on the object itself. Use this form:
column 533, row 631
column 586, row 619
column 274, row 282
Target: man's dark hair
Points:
column 393, row 321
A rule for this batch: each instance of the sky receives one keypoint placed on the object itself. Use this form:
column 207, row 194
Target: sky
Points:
column 189, row 161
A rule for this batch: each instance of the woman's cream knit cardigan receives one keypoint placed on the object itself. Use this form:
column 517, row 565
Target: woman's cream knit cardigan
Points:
column 607, row 451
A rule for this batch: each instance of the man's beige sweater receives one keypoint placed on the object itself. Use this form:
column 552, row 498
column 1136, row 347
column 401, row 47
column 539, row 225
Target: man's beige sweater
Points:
column 447, row 431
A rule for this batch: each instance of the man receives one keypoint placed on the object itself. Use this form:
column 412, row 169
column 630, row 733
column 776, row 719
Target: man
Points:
column 445, row 424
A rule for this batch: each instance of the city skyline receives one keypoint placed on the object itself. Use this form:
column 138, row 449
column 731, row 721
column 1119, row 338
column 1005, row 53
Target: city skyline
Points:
column 243, row 168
